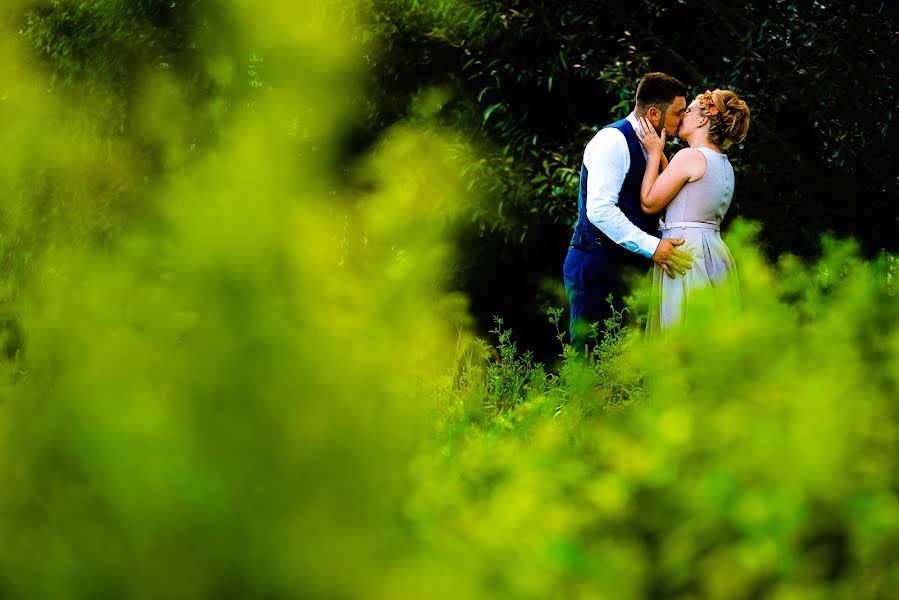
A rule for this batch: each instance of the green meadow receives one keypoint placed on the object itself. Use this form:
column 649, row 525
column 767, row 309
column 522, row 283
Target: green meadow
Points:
column 235, row 364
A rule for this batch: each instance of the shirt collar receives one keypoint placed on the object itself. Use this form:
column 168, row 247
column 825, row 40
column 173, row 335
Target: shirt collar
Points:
column 632, row 119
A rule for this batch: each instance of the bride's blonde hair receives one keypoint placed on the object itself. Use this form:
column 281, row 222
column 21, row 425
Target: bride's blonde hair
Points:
column 729, row 123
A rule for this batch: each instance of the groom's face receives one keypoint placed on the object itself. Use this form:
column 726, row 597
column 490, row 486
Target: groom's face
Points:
column 674, row 116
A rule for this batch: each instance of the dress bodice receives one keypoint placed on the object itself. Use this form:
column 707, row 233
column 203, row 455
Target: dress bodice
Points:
column 705, row 200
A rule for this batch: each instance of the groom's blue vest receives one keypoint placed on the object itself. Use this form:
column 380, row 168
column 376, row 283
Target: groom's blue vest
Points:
column 586, row 235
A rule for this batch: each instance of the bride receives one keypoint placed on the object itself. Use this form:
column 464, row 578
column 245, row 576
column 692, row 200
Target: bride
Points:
column 695, row 191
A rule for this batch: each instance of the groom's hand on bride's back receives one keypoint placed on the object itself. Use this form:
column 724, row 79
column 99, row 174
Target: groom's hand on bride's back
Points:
column 671, row 259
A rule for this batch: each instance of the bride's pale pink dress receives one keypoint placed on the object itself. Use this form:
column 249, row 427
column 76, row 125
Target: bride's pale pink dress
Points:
column 695, row 214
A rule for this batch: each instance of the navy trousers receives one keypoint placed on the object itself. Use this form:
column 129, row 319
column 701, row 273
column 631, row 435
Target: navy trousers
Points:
column 591, row 274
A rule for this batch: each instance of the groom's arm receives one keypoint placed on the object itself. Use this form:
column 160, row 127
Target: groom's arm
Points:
column 607, row 160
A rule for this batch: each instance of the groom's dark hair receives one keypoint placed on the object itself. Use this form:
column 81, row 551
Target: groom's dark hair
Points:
column 659, row 90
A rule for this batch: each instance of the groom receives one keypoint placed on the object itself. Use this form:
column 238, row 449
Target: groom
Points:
column 612, row 233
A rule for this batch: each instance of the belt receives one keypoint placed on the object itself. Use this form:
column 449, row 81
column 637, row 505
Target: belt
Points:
column 691, row 224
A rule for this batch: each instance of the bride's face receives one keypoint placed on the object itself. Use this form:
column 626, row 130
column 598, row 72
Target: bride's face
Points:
column 692, row 120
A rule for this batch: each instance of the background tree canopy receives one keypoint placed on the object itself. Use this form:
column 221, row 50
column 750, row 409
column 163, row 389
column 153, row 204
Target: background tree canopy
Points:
column 527, row 84
column 532, row 81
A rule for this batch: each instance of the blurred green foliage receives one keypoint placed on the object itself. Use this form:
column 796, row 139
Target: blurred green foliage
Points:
column 749, row 454
column 233, row 364
column 212, row 394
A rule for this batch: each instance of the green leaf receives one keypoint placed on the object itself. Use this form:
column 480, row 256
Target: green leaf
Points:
column 490, row 109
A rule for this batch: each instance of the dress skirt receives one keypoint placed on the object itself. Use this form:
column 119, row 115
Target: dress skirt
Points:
column 713, row 271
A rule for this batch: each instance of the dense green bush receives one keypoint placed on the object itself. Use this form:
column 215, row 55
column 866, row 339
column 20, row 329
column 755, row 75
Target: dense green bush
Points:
column 534, row 79
column 752, row 455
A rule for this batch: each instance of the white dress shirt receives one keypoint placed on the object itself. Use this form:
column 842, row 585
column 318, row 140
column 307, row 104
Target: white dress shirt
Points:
column 608, row 160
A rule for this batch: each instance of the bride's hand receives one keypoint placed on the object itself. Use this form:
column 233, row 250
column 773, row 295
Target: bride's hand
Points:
column 647, row 135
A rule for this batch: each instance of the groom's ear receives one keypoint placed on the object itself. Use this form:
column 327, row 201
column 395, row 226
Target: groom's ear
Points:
column 654, row 115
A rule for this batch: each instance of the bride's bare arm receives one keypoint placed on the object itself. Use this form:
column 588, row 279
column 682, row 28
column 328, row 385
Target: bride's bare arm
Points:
column 657, row 189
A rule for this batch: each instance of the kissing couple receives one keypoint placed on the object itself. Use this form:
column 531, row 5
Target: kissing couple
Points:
column 635, row 209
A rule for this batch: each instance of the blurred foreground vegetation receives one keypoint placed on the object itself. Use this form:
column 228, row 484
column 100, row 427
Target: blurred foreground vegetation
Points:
column 234, row 364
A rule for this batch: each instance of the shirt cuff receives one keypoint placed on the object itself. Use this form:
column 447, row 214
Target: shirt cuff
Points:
column 649, row 245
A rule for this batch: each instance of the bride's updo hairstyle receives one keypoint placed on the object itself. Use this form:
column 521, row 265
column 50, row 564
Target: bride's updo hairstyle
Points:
column 728, row 117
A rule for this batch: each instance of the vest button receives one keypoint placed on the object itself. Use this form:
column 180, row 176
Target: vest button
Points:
column 598, row 241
